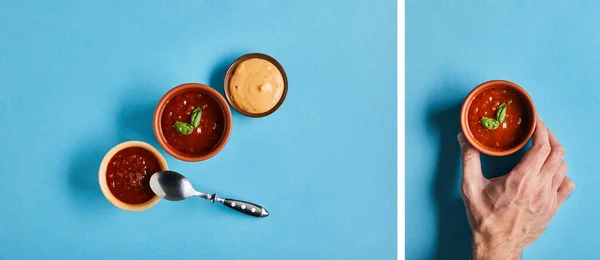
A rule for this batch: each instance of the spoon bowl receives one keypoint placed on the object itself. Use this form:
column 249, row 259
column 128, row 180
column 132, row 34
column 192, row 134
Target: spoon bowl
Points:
column 171, row 185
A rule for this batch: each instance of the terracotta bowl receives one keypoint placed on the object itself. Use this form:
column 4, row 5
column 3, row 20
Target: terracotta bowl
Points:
column 230, row 72
column 158, row 132
column 528, row 103
column 102, row 175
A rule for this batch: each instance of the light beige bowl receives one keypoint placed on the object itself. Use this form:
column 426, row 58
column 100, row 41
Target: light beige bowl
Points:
column 102, row 175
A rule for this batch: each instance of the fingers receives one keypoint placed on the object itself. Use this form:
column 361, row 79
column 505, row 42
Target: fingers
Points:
column 564, row 190
column 560, row 176
column 470, row 160
column 554, row 160
column 536, row 156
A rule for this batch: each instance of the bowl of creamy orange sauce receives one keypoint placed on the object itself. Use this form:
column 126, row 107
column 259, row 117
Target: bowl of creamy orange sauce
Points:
column 255, row 85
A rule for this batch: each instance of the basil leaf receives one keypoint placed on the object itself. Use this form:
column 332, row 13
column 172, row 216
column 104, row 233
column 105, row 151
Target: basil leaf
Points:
column 183, row 128
column 501, row 113
column 196, row 115
column 489, row 123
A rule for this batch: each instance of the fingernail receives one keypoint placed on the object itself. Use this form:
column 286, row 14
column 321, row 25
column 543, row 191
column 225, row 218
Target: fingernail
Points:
column 461, row 139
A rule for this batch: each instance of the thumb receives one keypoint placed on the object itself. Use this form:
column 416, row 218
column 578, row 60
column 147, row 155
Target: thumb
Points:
column 470, row 161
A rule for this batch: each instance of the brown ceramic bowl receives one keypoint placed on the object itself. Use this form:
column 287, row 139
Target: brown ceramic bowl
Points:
column 104, row 185
column 527, row 103
column 230, row 72
column 158, row 132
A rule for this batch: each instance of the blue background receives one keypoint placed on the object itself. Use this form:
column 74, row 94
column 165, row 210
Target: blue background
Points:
column 77, row 78
column 552, row 49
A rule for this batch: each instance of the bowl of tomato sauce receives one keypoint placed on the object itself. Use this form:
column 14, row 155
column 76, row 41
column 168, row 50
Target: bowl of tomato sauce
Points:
column 498, row 117
column 125, row 172
column 192, row 122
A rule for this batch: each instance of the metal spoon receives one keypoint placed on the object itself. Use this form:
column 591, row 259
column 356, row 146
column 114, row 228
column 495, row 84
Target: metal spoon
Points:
column 170, row 185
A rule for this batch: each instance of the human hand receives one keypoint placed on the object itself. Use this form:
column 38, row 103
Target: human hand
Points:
column 508, row 213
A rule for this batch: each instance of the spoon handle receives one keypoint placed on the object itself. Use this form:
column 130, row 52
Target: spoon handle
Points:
column 246, row 207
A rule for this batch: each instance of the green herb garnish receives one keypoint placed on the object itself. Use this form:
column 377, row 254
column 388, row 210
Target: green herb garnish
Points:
column 489, row 123
column 493, row 124
column 501, row 113
column 183, row 128
column 196, row 115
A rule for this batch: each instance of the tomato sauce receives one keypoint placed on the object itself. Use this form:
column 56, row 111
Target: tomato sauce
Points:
column 203, row 138
column 128, row 175
column 512, row 131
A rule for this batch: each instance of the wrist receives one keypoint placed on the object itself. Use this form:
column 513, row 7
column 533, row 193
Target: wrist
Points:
column 494, row 248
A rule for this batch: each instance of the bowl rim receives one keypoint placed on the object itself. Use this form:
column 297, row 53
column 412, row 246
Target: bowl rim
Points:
column 104, row 185
column 167, row 97
column 465, row 110
column 230, row 72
